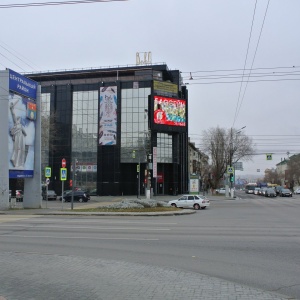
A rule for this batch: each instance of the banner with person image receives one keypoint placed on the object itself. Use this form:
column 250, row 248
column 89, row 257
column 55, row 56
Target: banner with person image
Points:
column 108, row 116
column 21, row 131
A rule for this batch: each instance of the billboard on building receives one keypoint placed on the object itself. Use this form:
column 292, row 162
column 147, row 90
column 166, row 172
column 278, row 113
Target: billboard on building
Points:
column 108, row 116
column 22, row 85
column 168, row 114
column 21, row 132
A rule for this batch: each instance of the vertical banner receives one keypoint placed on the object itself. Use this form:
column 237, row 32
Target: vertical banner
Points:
column 194, row 184
column 154, row 162
column 108, row 116
column 21, row 132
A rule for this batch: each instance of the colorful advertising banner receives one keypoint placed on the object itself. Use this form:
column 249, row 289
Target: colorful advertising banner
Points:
column 22, row 85
column 108, row 116
column 169, row 111
column 21, row 132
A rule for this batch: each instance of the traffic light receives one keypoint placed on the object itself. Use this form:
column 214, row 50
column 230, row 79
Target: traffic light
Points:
column 231, row 177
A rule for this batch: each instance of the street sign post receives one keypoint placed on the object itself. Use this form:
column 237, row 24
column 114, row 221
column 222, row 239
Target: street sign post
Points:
column 47, row 172
column 230, row 170
column 63, row 163
column 269, row 156
column 63, row 174
column 63, row 178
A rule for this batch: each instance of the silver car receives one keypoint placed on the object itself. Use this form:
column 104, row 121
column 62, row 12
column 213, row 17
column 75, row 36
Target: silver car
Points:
column 190, row 201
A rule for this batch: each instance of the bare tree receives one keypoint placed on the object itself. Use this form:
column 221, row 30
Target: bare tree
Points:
column 271, row 176
column 293, row 173
column 225, row 147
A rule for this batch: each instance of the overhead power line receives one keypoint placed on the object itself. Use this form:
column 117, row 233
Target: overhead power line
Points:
column 240, row 90
column 54, row 3
column 234, row 70
column 240, row 102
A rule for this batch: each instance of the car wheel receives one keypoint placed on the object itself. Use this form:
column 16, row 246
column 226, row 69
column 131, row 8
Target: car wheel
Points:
column 203, row 207
column 196, row 206
column 174, row 205
column 80, row 200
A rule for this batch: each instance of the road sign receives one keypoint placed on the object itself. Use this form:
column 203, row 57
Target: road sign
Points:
column 230, row 170
column 63, row 163
column 269, row 156
column 63, row 174
column 47, row 172
column 238, row 165
column 47, row 181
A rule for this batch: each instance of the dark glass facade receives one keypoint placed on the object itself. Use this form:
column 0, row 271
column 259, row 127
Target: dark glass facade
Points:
column 72, row 129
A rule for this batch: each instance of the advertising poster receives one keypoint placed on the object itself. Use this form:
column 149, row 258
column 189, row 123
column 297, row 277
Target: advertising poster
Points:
column 108, row 116
column 169, row 111
column 21, row 132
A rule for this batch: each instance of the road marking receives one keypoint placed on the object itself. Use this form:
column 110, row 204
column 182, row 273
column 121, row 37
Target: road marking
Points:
column 12, row 218
column 86, row 227
column 75, row 237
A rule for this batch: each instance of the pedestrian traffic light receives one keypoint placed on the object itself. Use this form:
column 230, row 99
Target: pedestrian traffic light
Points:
column 231, row 177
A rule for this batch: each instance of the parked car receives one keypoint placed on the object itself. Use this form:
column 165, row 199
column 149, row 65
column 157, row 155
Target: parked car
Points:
column 256, row 191
column 190, row 201
column 297, row 191
column 278, row 188
column 19, row 195
column 64, row 194
column 220, row 191
column 79, row 195
column 285, row 193
column 270, row 192
column 51, row 195
column 263, row 191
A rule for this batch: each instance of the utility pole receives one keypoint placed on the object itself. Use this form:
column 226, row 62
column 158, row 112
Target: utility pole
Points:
column 231, row 154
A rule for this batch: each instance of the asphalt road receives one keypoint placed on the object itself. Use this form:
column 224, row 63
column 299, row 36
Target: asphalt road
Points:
column 253, row 241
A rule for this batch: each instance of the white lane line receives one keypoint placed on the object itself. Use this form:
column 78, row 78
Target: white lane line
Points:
column 85, row 227
column 98, row 221
column 75, row 237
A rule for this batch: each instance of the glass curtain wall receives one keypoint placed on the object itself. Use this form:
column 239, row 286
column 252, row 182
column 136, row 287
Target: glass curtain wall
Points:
column 84, row 138
column 135, row 139
column 135, row 136
column 164, row 148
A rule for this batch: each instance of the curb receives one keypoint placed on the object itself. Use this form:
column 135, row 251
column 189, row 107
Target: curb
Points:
column 150, row 214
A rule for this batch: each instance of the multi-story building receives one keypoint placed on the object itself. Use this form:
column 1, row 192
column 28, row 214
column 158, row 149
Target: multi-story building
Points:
column 198, row 164
column 124, row 129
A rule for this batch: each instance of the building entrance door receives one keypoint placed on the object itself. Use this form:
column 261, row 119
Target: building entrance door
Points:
column 160, row 188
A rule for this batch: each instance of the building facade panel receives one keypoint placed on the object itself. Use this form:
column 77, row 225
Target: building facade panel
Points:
column 72, row 105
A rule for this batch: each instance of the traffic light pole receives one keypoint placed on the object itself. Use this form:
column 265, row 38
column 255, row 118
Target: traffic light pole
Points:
column 73, row 182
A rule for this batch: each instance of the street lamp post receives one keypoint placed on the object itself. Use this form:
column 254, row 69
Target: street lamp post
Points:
column 231, row 159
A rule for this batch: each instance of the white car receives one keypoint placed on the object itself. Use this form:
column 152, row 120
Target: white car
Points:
column 190, row 201
column 221, row 191
column 297, row 191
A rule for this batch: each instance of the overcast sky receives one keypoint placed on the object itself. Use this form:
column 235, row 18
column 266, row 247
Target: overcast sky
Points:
column 209, row 40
